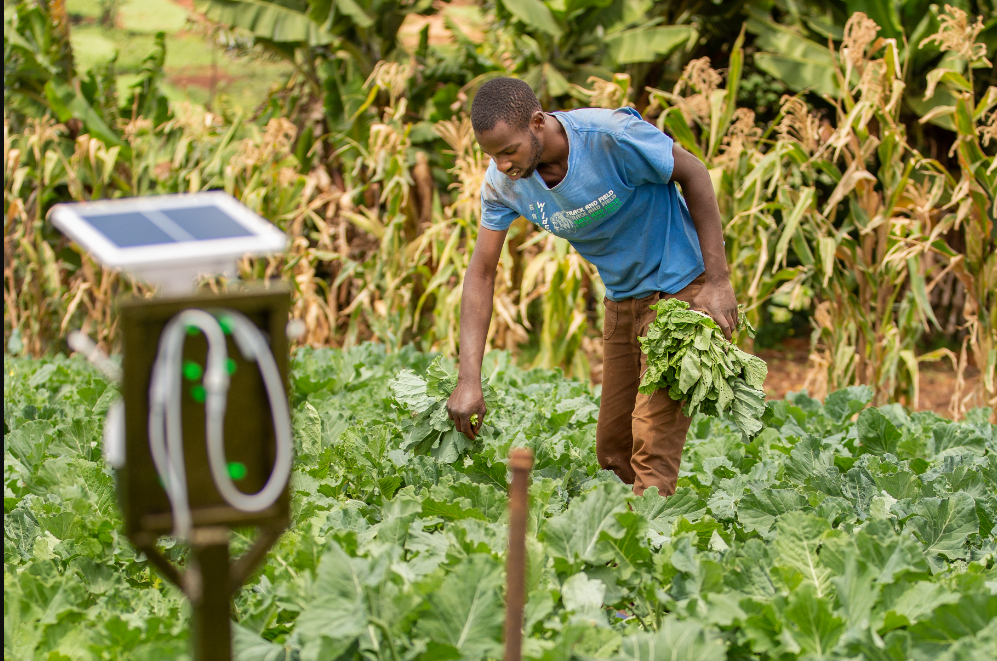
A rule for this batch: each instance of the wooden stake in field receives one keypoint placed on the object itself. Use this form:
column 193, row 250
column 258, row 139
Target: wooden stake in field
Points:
column 521, row 463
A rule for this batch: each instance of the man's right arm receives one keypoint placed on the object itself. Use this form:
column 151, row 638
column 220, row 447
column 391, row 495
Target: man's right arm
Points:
column 475, row 315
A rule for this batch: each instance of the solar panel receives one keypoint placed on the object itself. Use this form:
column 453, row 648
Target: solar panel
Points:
column 127, row 230
column 169, row 239
column 205, row 223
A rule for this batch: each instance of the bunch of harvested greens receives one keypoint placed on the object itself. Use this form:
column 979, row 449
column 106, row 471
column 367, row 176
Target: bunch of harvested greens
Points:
column 688, row 356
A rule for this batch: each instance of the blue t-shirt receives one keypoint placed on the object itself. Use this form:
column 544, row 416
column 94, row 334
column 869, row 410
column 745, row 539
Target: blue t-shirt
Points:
column 616, row 205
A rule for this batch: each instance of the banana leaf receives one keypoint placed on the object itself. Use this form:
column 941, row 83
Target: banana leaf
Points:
column 649, row 44
column 274, row 22
column 534, row 14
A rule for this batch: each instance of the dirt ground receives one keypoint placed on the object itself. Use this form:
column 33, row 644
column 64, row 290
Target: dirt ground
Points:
column 788, row 367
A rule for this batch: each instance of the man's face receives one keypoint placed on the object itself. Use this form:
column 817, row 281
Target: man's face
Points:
column 516, row 152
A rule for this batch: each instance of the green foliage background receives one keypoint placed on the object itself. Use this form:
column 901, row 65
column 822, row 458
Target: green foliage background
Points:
column 850, row 144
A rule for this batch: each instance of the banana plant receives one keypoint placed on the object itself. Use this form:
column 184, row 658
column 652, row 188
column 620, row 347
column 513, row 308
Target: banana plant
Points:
column 557, row 45
column 34, row 52
column 39, row 69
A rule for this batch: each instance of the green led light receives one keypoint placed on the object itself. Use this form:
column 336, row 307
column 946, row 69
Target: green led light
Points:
column 226, row 323
column 192, row 371
column 193, row 330
column 199, row 394
column 236, row 470
column 230, row 366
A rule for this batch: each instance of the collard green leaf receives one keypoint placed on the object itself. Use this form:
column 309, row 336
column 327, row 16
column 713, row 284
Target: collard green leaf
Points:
column 661, row 511
column 439, row 382
column 307, row 427
column 675, row 639
column 755, row 372
column 581, row 593
column 952, row 622
column 748, row 408
column 706, row 529
column 857, row 592
column 451, row 445
column 951, row 438
column 842, row 404
column 410, row 389
column 30, row 441
column 451, row 510
column 798, row 538
column 576, row 535
column 748, row 570
column 917, row 603
column 338, row 615
column 20, row 529
column 758, row 510
column 811, row 622
column 877, row 435
column 807, row 458
column 690, row 370
column 858, row 486
column 943, row 524
column 250, row 646
column 892, row 554
column 629, row 549
column 900, row 484
column 980, row 646
column 466, row 611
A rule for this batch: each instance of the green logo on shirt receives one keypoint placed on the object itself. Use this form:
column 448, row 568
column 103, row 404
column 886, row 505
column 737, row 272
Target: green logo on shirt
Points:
column 566, row 222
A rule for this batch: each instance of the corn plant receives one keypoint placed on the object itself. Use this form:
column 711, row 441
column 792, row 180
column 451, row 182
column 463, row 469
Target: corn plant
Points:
column 843, row 215
column 899, row 208
column 972, row 197
column 703, row 117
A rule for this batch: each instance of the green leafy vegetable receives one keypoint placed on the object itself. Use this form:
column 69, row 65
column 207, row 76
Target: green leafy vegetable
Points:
column 826, row 537
column 434, row 432
column 688, row 357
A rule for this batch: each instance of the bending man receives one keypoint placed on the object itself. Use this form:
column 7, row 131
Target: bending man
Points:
column 605, row 180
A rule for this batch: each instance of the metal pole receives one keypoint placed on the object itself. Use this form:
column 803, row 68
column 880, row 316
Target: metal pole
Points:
column 521, row 463
column 209, row 588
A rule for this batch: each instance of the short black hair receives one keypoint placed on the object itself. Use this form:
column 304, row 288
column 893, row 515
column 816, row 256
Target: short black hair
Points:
column 503, row 99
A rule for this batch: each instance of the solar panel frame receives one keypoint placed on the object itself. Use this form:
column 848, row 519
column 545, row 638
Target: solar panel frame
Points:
column 72, row 219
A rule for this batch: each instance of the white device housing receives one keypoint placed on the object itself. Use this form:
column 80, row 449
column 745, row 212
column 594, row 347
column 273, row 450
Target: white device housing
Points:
column 172, row 264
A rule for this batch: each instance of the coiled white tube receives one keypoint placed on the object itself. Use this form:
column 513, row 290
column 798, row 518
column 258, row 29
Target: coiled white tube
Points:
column 165, row 418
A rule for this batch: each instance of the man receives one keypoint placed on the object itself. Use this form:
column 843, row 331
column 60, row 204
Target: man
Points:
column 605, row 180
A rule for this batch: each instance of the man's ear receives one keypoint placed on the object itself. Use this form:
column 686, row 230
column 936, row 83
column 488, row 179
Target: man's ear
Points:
column 538, row 120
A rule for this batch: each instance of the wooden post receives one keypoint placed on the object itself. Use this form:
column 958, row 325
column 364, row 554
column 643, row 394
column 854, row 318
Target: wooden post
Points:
column 210, row 593
column 521, row 463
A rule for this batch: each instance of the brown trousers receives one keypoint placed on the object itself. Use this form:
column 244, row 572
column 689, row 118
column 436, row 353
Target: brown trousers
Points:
column 639, row 437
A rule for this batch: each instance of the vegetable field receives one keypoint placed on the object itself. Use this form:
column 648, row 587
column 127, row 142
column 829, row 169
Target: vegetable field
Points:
column 841, row 532
column 850, row 144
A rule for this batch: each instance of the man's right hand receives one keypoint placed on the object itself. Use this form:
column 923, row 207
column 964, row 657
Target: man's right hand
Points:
column 475, row 314
column 465, row 401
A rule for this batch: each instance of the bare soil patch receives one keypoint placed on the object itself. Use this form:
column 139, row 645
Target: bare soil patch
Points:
column 199, row 77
